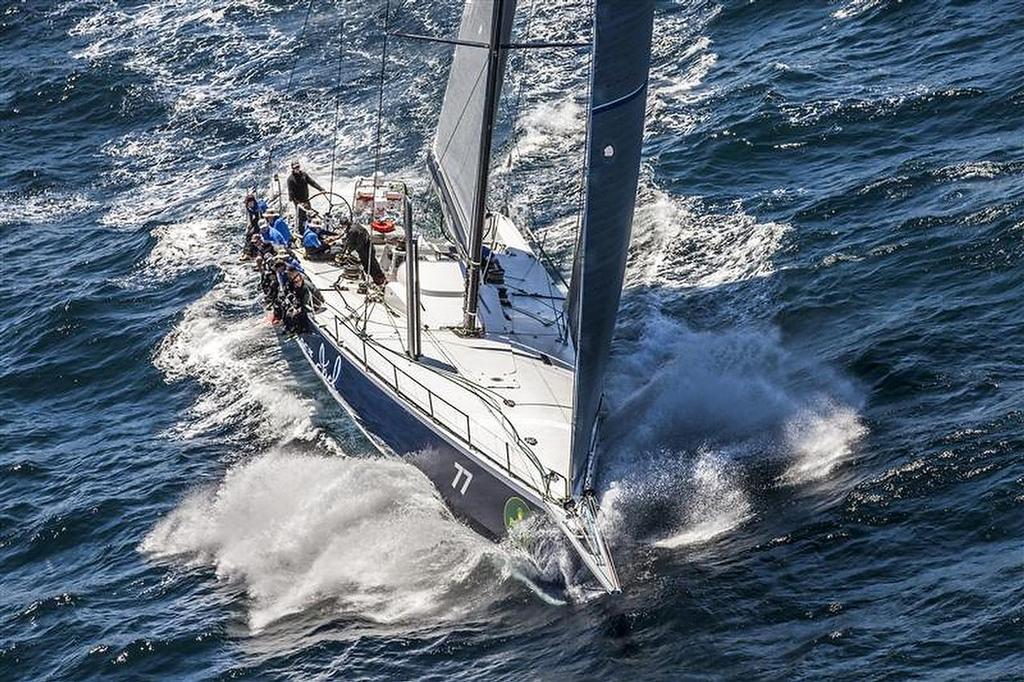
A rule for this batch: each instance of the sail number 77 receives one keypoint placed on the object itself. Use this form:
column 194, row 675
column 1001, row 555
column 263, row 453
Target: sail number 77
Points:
column 463, row 476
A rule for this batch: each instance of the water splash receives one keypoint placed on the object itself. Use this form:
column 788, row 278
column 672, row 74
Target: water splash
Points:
column 681, row 443
column 368, row 536
column 238, row 360
column 717, row 505
column 820, row 441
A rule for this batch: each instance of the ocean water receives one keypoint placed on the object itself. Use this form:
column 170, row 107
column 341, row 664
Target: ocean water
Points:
column 814, row 462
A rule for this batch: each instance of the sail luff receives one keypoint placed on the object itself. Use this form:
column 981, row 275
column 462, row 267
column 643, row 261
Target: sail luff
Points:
column 474, row 254
column 615, row 124
column 459, row 157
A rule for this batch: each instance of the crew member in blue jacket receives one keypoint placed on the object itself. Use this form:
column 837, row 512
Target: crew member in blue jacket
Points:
column 281, row 225
column 315, row 249
column 276, row 231
column 254, row 210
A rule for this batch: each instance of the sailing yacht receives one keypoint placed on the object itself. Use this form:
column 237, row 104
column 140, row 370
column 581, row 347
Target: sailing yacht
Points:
column 474, row 361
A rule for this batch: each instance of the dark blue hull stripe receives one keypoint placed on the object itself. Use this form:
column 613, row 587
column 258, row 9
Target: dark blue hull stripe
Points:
column 470, row 487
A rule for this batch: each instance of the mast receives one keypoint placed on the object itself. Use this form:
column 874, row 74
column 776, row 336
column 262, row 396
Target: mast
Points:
column 476, row 235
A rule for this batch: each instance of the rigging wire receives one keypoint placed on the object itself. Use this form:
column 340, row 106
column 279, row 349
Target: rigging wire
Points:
column 288, row 87
column 380, row 93
column 337, row 101
column 380, row 123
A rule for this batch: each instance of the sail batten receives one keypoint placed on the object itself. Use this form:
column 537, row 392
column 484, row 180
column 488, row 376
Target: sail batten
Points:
column 460, row 150
column 615, row 124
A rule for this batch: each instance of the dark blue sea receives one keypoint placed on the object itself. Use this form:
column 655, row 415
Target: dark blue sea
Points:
column 813, row 464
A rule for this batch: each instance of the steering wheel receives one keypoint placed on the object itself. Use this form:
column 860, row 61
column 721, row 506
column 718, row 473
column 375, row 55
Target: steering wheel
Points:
column 324, row 204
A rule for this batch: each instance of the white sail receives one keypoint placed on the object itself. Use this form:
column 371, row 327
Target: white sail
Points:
column 456, row 155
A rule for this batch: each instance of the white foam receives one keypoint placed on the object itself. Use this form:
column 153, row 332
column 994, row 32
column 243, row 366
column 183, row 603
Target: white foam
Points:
column 550, row 129
column 678, row 82
column 855, row 8
column 973, row 170
column 680, row 241
column 368, row 536
column 44, row 207
column 241, row 366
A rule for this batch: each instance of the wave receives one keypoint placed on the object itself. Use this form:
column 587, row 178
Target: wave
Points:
column 837, row 112
column 238, row 362
column 856, row 8
column 44, row 208
column 719, row 261
column 380, row 551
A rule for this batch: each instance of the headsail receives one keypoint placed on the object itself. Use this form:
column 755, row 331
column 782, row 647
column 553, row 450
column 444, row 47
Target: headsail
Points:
column 457, row 154
column 622, row 55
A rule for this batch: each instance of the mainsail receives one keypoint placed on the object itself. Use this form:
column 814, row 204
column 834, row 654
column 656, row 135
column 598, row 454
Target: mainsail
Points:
column 622, row 55
column 461, row 147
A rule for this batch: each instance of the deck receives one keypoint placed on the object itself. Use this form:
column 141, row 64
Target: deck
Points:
column 507, row 394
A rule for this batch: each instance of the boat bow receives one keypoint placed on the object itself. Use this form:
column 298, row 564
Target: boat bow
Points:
column 578, row 521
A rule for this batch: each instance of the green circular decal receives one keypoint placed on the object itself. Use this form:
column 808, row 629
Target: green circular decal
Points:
column 515, row 511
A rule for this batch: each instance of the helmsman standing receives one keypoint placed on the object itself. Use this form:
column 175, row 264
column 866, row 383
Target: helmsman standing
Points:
column 299, row 182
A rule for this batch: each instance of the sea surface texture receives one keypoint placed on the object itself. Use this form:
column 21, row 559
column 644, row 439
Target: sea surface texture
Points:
column 813, row 463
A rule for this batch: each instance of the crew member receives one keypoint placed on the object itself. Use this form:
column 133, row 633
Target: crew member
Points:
column 315, row 299
column 254, row 209
column 270, row 281
column 275, row 230
column 358, row 241
column 315, row 248
column 299, row 183
column 262, row 247
column 303, row 297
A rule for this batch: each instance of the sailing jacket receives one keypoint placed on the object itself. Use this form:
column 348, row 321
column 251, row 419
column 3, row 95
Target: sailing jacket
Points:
column 311, row 241
column 255, row 210
column 281, row 225
column 273, row 235
column 298, row 187
column 307, row 295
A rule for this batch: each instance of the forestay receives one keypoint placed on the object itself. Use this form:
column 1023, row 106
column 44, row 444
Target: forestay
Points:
column 455, row 156
column 622, row 53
